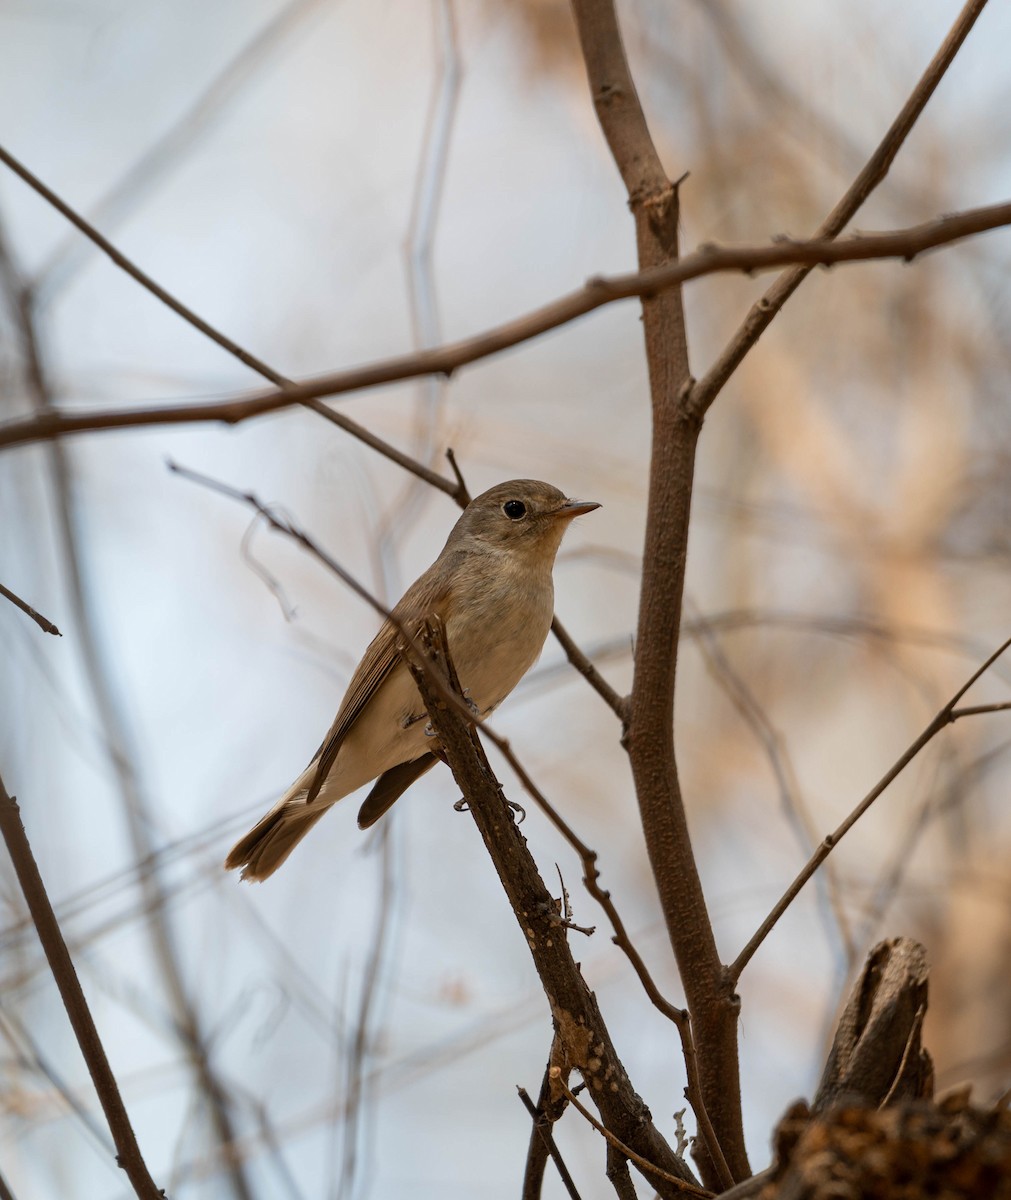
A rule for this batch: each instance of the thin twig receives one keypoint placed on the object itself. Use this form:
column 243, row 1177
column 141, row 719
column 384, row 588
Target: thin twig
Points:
column 282, row 524
column 463, row 496
column 769, row 738
column 628, row 1152
column 449, row 357
column 542, row 1128
column 43, row 622
column 128, row 1154
column 618, row 704
column 226, row 343
column 705, row 390
column 948, row 715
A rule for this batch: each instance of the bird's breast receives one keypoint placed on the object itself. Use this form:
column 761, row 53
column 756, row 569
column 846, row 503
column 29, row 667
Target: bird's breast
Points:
column 496, row 634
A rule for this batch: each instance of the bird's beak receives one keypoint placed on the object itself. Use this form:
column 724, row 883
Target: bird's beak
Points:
column 576, row 508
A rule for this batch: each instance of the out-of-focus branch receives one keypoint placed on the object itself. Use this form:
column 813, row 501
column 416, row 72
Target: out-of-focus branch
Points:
column 650, row 284
column 706, row 389
column 112, row 716
column 128, row 1154
column 43, row 622
column 226, row 343
column 583, row 1040
column 166, row 150
column 948, row 715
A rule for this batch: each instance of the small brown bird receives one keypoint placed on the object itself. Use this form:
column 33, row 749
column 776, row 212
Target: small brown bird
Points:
column 492, row 588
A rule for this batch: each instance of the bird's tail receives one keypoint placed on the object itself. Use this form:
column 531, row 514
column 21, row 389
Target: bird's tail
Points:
column 273, row 838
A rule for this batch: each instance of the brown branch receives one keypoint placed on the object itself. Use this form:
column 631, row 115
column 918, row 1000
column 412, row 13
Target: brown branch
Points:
column 618, row 1173
column 128, row 1155
column 678, row 1016
column 542, row 1143
column 649, row 734
column 115, row 723
column 948, row 715
column 619, row 704
column 226, row 343
column 582, row 1037
column 43, row 622
column 648, row 1168
column 650, row 283
column 706, row 389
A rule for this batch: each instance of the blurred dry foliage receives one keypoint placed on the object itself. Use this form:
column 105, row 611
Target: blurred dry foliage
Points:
column 343, row 1025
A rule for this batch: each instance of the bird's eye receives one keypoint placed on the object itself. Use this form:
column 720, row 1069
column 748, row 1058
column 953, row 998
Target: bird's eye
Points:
column 514, row 509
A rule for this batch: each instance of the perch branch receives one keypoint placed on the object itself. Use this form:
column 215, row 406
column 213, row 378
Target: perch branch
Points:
column 582, row 1037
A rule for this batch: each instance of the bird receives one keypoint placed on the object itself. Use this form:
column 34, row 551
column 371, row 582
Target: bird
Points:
column 492, row 588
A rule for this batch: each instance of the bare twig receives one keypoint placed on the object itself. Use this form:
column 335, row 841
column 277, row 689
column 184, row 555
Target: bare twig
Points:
column 226, row 343
column 618, row 704
column 43, row 622
column 463, row 496
column 948, row 715
column 542, row 1133
column 791, row 801
column 128, row 1154
column 627, row 1151
column 705, row 390
column 449, row 357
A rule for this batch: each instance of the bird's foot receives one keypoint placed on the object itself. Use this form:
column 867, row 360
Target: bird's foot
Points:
column 521, row 813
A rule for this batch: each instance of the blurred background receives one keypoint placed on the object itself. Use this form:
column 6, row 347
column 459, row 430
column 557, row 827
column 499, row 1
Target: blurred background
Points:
column 330, row 183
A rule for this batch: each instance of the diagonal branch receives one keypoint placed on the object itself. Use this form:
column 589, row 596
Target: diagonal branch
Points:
column 765, row 310
column 209, row 331
column 128, row 1153
column 583, row 1039
column 43, row 622
column 948, row 715
column 650, row 283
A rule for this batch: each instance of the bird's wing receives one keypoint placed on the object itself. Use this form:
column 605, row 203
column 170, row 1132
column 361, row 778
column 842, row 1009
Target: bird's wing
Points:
column 420, row 600
column 390, row 786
